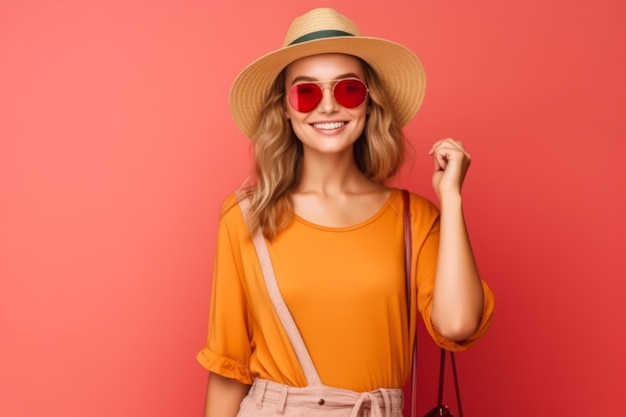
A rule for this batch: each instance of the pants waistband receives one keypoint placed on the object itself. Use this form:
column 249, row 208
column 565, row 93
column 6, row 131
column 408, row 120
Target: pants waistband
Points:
column 378, row 403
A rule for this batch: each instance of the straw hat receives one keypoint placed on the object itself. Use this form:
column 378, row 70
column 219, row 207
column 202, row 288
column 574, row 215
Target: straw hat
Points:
column 327, row 31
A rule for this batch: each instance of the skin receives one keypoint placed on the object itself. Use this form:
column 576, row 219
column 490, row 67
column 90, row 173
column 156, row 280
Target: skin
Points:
column 458, row 295
column 334, row 193
column 224, row 396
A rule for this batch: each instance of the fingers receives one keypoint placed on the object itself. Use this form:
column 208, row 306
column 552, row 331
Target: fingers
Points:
column 447, row 150
column 448, row 142
column 451, row 162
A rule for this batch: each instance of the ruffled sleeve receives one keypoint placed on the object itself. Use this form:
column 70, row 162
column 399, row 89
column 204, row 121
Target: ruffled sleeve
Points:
column 426, row 248
column 229, row 345
column 485, row 323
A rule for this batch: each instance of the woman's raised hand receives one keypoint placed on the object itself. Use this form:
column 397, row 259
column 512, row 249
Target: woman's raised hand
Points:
column 451, row 162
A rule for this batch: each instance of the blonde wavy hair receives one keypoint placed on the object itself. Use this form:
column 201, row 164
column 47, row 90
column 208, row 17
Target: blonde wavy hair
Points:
column 378, row 153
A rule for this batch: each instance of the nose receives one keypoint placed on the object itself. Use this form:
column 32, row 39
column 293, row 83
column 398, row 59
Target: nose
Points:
column 328, row 103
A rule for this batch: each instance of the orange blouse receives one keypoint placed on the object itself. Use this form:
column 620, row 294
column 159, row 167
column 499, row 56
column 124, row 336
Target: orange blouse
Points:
column 345, row 290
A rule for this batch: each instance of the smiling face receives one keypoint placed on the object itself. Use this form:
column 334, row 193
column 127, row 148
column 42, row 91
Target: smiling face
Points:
column 329, row 127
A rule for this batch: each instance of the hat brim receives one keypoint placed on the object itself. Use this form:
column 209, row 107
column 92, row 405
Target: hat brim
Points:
column 400, row 71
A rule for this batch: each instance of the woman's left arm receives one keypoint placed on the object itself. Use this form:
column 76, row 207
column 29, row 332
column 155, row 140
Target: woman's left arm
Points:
column 458, row 293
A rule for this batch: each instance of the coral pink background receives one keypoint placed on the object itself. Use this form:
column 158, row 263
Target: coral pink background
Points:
column 116, row 149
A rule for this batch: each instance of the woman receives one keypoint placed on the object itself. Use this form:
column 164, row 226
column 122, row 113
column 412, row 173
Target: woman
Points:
column 325, row 113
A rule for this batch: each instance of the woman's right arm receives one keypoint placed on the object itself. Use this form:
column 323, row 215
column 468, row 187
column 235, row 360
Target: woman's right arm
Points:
column 224, row 396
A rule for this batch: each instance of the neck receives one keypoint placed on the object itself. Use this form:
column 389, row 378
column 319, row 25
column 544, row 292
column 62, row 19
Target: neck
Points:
column 331, row 174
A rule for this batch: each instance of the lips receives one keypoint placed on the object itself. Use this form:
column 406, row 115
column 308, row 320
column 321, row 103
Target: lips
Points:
column 328, row 125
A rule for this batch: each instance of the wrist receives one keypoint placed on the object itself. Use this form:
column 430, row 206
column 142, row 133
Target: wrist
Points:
column 450, row 199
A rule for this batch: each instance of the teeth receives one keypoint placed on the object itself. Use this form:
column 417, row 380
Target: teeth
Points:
column 328, row 126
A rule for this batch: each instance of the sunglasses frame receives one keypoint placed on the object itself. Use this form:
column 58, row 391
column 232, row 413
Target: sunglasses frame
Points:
column 321, row 87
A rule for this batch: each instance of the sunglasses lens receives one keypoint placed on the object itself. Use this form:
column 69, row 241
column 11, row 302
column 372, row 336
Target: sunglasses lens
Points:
column 305, row 97
column 350, row 93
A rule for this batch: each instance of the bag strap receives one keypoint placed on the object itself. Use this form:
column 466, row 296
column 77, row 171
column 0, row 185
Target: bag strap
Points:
column 408, row 251
column 442, row 367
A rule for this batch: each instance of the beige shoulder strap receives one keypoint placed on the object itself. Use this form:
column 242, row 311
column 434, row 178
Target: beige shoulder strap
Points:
column 286, row 319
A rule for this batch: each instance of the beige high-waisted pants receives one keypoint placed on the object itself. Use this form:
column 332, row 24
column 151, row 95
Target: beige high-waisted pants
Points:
column 270, row 399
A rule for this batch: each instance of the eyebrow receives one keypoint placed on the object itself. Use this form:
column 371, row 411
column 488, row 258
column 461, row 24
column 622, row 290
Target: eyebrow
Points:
column 313, row 79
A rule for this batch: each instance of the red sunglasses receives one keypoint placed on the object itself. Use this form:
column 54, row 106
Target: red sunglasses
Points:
column 349, row 92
